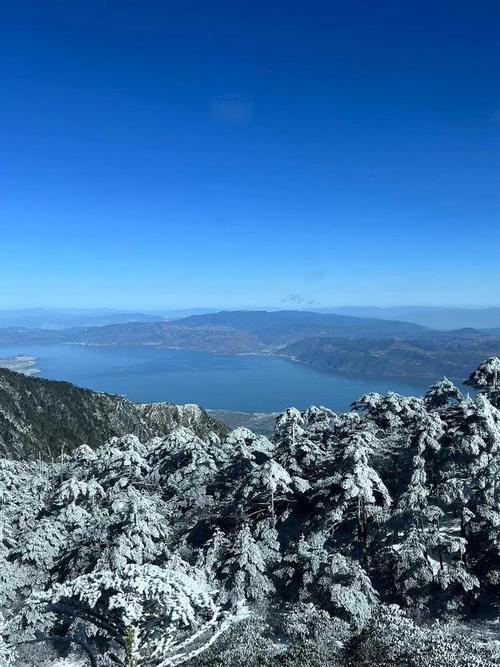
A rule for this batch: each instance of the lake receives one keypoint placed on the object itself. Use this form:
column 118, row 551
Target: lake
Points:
column 243, row 383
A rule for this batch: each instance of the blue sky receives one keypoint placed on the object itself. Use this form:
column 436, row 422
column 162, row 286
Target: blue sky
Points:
column 170, row 154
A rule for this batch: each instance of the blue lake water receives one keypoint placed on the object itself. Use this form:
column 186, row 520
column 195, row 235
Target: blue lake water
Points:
column 242, row 383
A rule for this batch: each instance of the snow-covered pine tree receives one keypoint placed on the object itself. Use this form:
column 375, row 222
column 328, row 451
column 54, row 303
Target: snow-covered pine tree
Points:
column 148, row 615
column 486, row 379
column 137, row 549
column 442, row 393
column 332, row 581
column 245, row 571
column 352, row 491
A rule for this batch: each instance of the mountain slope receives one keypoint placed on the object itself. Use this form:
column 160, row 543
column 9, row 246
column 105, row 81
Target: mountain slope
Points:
column 42, row 417
column 283, row 326
column 202, row 338
column 171, row 334
column 224, row 332
column 445, row 353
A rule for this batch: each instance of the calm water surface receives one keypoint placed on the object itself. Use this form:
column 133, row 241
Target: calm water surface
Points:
column 246, row 383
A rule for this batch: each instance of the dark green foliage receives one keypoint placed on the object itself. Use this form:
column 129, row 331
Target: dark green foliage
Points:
column 44, row 418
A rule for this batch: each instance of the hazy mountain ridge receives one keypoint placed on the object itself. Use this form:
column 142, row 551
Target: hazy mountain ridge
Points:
column 223, row 331
column 53, row 319
column 40, row 417
column 434, row 317
column 335, row 343
column 283, row 326
column 447, row 354
column 207, row 338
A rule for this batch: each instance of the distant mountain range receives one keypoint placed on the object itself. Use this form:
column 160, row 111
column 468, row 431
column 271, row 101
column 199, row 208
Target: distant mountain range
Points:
column 42, row 417
column 357, row 346
column 284, row 326
column 434, row 317
column 41, row 318
column 226, row 331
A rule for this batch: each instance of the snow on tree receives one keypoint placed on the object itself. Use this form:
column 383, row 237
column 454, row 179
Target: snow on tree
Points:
column 123, row 461
column 393, row 638
column 72, row 489
column 388, row 412
column 244, row 569
column 266, row 485
column 41, row 545
column 288, row 434
column 144, row 553
column 7, row 654
column 289, row 427
column 353, row 487
column 140, row 529
column 302, row 440
column 267, row 538
column 486, row 379
column 150, row 615
column 427, row 432
column 322, row 635
column 184, row 468
column 213, row 554
column 182, row 459
column 413, row 572
column 415, row 498
column 333, row 581
column 349, row 589
column 242, row 447
column 472, row 450
column 442, row 393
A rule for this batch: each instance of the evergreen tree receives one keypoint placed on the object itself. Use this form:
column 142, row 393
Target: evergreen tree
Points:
column 442, row 393
column 486, row 379
column 245, row 569
column 355, row 489
column 145, row 553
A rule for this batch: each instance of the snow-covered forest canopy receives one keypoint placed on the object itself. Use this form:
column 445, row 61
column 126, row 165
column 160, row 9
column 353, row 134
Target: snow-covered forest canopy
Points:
column 370, row 537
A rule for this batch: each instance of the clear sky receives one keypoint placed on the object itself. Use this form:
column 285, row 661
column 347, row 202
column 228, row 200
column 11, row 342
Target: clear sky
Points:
column 170, row 154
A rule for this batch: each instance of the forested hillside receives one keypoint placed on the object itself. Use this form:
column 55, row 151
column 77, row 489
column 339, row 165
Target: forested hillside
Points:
column 223, row 332
column 343, row 540
column 436, row 354
column 41, row 418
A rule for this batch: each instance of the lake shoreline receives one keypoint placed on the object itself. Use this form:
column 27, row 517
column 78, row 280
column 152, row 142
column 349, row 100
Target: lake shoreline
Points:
column 269, row 353
column 25, row 364
column 238, row 383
